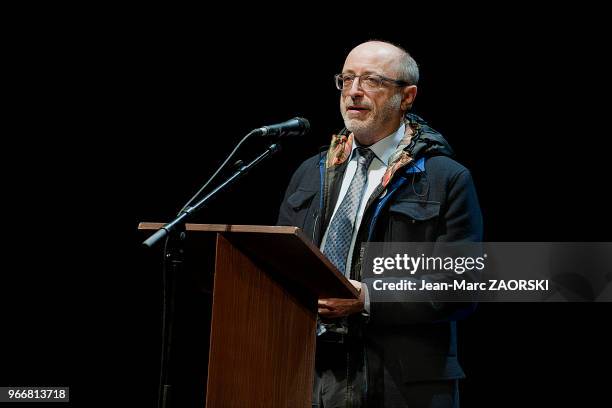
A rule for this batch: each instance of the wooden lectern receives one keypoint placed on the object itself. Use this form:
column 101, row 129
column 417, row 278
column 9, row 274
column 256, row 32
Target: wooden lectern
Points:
column 262, row 341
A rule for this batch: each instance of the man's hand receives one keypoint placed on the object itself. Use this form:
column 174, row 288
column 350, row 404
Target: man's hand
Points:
column 333, row 308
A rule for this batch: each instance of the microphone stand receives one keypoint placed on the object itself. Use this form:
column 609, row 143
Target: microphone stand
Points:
column 174, row 233
column 169, row 228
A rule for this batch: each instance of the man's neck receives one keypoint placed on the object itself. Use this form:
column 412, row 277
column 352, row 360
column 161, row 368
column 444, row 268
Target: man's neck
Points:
column 368, row 139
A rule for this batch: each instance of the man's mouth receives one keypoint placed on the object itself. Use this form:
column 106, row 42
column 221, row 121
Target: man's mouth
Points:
column 356, row 109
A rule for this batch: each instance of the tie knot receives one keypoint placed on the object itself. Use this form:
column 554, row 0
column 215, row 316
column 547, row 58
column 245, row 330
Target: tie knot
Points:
column 365, row 156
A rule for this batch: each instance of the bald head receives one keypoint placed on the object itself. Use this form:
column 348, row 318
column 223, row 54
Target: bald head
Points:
column 395, row 60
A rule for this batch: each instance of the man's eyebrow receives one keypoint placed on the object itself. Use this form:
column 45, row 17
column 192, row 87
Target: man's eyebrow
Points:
column 350, row 71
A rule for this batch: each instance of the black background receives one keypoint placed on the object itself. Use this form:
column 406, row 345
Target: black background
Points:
column 118, row 117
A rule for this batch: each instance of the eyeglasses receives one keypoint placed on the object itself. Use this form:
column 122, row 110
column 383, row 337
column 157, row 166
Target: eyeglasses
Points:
column 367, row 82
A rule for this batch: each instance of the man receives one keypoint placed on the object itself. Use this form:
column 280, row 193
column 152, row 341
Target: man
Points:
column 386, row 177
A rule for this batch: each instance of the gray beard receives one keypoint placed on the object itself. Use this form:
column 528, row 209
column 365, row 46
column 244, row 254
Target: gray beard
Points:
column 370, row 126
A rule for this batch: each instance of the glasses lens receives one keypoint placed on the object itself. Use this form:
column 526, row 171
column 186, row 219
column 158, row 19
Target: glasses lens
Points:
column 370, row 83
column 344, row 81
column 347, row 81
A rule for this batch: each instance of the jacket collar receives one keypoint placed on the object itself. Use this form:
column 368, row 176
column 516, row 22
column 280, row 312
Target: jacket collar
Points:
column 419, row 141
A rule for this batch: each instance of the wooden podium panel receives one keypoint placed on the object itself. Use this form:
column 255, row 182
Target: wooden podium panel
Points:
column 267, row 281
column 262, row 340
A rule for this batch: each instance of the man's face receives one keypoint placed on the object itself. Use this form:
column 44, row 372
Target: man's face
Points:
column 374, row 113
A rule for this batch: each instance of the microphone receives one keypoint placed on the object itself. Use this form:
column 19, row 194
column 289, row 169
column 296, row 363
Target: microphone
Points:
column 292, row 127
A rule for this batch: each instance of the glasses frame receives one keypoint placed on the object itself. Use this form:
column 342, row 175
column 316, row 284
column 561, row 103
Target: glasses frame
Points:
column 339, row 80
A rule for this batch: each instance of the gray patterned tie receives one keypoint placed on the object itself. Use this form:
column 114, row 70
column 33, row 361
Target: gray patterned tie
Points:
column 340, row 229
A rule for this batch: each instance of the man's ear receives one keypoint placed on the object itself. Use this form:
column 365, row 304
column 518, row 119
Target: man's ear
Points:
column 409, row 95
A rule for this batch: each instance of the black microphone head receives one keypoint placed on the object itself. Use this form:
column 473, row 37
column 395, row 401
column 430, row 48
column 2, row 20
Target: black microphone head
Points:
column 305, row 124
column 292, row 127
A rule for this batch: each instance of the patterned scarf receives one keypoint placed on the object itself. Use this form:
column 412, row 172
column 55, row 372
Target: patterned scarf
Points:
column 341, row 146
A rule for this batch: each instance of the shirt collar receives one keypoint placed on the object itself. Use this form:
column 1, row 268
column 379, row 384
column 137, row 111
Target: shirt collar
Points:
column 384, row 148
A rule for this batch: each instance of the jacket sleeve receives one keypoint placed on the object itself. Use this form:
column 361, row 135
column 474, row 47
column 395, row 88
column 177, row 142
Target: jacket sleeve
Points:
column 463, row 218
column 463, row 223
